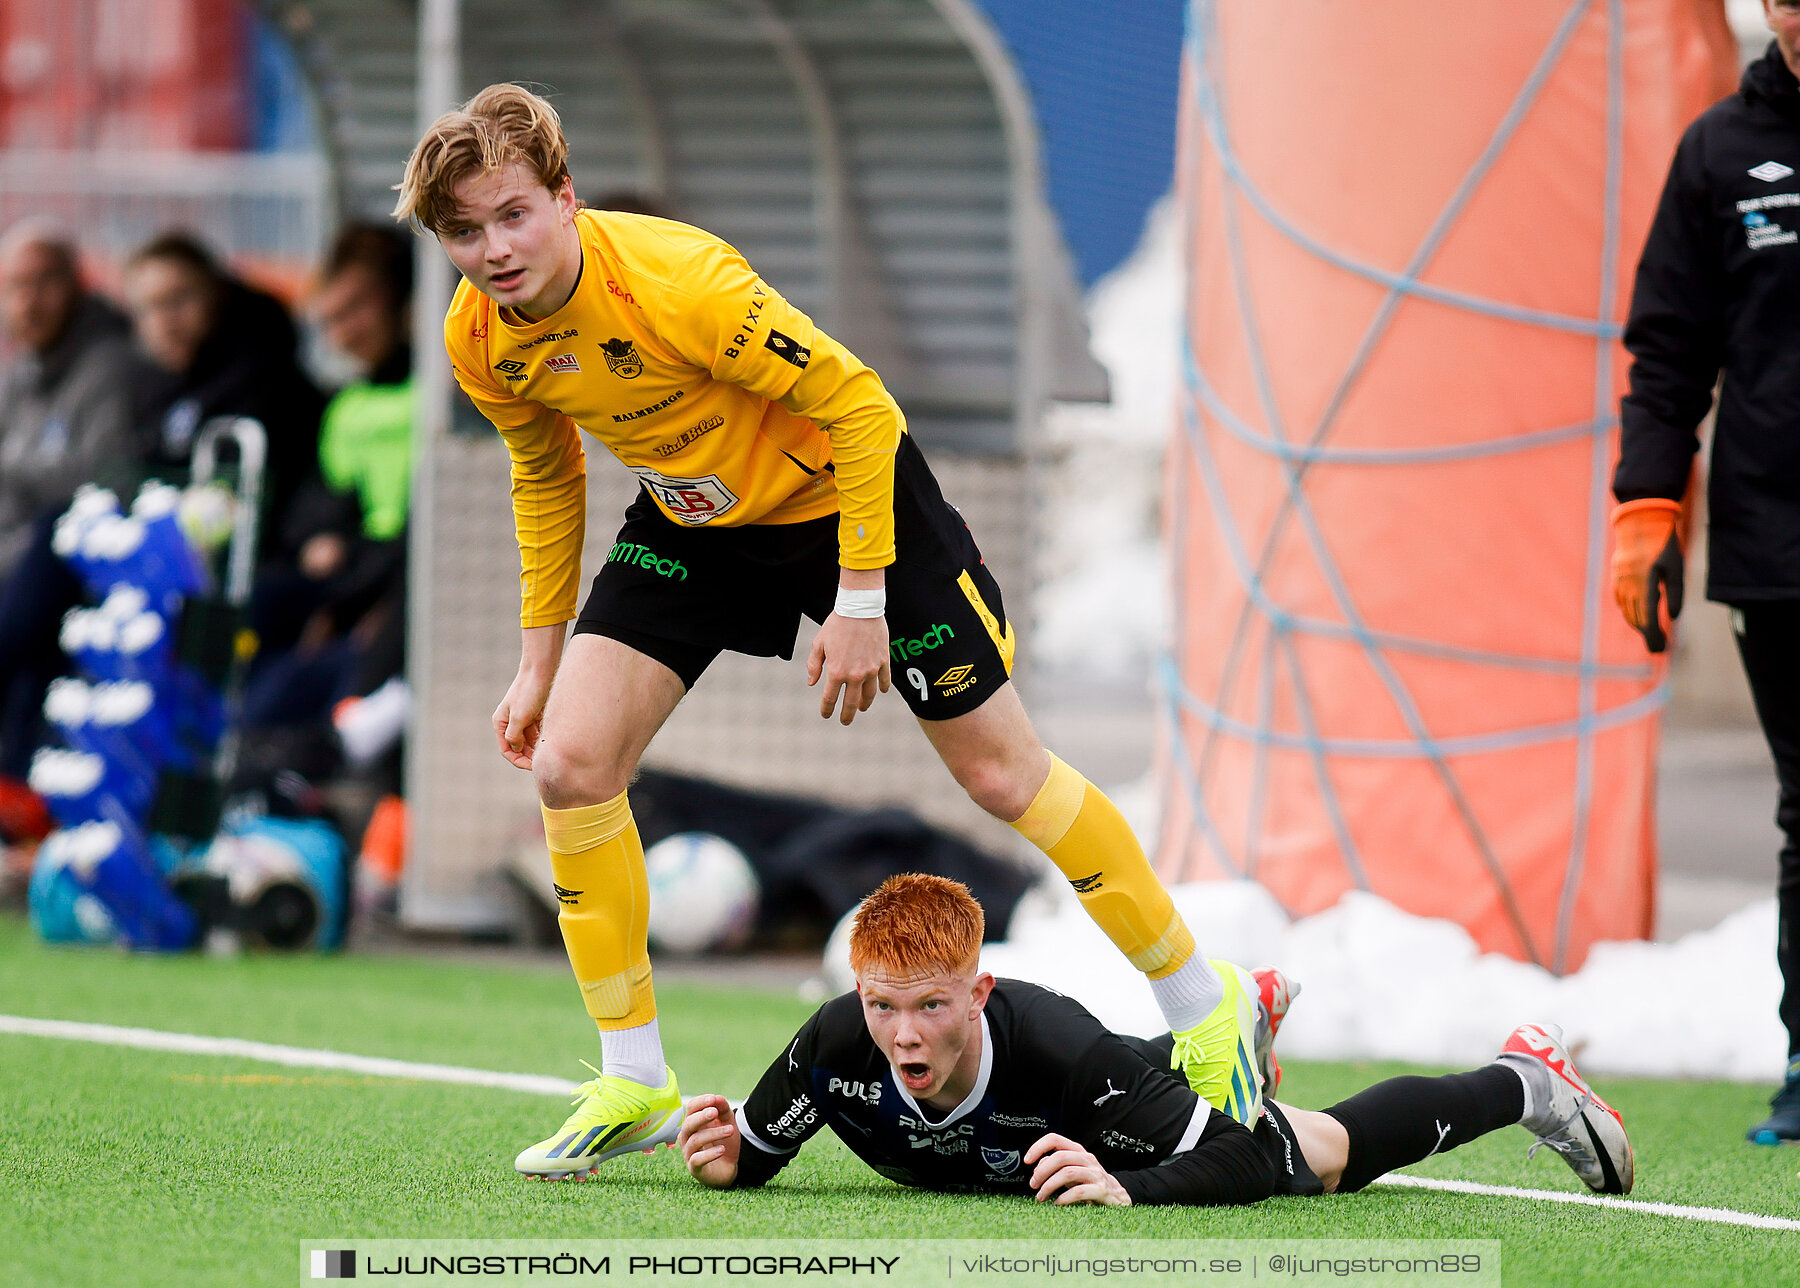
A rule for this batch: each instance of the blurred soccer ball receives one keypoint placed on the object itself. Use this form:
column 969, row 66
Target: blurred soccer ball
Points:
column 206, row 513
column 703, row 893
column 835, row 962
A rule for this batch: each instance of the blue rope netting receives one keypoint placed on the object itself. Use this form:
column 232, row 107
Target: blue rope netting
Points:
column 1293, row 457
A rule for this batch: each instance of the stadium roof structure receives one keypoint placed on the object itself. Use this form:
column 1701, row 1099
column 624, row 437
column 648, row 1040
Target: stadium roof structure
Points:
column 877, row 160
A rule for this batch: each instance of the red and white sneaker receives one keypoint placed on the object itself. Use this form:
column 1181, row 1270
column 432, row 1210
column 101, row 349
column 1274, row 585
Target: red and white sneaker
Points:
column 1275, row 992
column 1565, row 1113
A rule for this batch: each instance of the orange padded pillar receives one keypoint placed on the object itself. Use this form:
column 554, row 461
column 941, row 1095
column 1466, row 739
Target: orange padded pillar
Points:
column 1412, row 229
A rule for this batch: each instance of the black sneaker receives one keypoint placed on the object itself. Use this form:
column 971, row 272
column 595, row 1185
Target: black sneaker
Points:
column 1782, row 1126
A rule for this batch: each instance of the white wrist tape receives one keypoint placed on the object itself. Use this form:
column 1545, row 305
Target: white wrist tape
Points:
column 861, row 603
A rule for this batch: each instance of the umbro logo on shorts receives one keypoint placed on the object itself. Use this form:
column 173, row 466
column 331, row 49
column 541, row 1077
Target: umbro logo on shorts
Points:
column 1086, row 885
column 565, row 896
column 956, row 679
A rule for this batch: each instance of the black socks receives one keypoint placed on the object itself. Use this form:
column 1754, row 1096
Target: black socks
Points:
column 1403, row 1120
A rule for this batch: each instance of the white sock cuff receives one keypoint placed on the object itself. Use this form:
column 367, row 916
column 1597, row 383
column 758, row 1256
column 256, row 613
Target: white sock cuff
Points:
column 1189, row 994
column 1520, row 1067
column 634, row 1053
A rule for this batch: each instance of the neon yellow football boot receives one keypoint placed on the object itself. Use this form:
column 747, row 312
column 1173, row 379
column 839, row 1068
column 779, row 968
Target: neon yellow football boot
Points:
column 1218, row 1055
column 613, row 1116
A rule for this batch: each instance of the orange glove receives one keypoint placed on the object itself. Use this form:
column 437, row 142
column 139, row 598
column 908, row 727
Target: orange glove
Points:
column 1646, row 560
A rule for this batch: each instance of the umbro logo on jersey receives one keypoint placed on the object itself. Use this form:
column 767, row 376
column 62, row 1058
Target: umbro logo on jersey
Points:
column 622, row 359
column 563, row 362
column 788, row 349
column 1770, row 171
column 512, row 369
column 565, row 896
column 1086, row 885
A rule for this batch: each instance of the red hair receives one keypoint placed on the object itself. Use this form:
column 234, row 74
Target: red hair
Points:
column 917, row 924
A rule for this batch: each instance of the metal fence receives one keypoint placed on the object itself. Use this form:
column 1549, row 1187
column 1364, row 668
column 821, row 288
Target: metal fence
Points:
column 268, row 214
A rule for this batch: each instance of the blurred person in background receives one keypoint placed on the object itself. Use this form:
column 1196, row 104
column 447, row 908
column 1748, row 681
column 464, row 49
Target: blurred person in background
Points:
column 221, row 348
column 65, row 401
column 214, row 346
column 333, row 623
column 65, row 412
column 1718, row 292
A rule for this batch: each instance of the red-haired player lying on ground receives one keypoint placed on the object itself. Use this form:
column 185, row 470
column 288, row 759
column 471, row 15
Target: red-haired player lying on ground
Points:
column 938, row 1075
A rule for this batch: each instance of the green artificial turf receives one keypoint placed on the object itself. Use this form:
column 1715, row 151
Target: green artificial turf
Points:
column 124, row 1166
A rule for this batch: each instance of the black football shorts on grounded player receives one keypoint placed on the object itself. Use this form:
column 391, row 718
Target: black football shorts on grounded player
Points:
column 683, row 595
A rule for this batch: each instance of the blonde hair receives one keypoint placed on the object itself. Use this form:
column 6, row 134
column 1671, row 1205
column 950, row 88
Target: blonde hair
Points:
column 915, row 922
column 502, row 125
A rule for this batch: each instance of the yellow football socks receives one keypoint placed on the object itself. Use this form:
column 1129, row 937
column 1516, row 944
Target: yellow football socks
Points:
column 598, row 866
column 1092, row 845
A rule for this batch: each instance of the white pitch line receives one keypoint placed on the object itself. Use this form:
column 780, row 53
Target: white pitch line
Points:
column 311, row 1058
column 297, row 1057
column 1719, row 1216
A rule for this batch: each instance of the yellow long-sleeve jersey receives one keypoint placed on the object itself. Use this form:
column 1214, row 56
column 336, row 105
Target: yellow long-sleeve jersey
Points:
column 726, row 400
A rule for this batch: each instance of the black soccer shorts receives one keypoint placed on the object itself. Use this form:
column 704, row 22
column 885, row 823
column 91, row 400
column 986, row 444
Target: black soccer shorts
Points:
column 683, row 595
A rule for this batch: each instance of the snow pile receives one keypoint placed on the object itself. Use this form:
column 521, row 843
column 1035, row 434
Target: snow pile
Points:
column 1381, row 984
column 1102, row 595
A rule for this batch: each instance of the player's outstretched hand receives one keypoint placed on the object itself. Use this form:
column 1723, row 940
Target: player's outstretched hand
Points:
column 1069, row 1174
column 709, row 1140
column 851, row 653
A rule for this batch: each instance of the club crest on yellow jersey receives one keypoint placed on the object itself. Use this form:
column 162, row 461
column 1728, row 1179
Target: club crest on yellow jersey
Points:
column 622, row 359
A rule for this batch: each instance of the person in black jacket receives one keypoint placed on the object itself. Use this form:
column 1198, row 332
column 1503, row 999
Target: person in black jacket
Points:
column 937, row 1075
column 223, row 348
column 1718, row 292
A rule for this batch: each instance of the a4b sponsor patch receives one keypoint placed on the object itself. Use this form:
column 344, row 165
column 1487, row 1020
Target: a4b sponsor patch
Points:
column 693, row 501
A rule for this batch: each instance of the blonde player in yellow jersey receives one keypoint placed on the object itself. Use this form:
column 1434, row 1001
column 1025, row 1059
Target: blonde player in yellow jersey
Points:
column 778, row 480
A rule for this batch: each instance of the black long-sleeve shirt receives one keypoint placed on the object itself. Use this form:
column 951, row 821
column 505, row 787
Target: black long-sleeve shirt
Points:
column 1047, row 1065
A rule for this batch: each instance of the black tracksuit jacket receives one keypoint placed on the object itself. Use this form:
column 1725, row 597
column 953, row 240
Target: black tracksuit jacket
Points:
column 1718, row 290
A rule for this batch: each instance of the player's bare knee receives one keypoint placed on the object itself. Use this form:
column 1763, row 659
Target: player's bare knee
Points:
column 997, row 786
column 566, row 779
